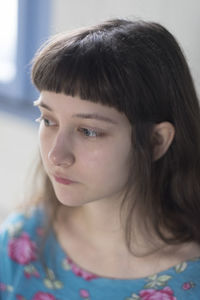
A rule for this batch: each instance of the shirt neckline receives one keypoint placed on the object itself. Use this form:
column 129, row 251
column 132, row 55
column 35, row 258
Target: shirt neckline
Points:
column 173, row 270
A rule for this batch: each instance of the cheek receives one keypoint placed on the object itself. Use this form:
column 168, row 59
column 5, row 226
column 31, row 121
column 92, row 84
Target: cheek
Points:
column 111, row 162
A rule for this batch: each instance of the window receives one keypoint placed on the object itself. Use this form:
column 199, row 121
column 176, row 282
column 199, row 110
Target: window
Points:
column 8, row 39
column 24, row 26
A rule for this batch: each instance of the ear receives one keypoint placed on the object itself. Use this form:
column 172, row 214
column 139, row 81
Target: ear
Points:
column 162, row 137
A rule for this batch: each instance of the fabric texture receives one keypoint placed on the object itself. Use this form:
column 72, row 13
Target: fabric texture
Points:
column 25, row 275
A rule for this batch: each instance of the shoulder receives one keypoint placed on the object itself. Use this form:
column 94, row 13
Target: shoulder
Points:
column 21, row 222
column 19, row 235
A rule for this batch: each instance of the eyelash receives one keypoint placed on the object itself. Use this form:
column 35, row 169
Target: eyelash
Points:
column 45, row 120
column 98, row 133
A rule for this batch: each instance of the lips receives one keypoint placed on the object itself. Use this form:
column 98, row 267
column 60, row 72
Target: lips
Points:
column 63, row 180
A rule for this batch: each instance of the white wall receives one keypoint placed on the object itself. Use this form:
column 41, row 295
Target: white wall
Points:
column 18, row 149
column 181, row 17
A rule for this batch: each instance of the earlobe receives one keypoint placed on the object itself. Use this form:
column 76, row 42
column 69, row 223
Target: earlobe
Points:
column 162, row 137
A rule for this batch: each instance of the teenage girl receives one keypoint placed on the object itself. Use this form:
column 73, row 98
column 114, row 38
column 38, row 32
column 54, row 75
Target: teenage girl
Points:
column 118, row 215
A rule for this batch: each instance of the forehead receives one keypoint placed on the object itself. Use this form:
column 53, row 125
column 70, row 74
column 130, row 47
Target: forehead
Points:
column 67, row 105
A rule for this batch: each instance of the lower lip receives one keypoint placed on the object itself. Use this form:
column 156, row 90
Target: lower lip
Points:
column 63, row 180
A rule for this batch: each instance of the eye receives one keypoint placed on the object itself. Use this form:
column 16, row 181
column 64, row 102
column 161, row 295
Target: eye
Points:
column 90, row 132
column 47, row 122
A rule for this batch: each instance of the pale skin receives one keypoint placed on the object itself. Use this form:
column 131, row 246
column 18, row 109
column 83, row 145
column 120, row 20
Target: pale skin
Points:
column 95, row 152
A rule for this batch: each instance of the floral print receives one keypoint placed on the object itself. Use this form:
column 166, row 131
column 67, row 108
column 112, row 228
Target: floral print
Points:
column 24, row 277
column 68, row 264
column 151, row 294
column 188, row 285
column 22, row 249
column 84, row 294
column 38, row 296
column 43, row 296
column 2, row 287
column 180, row 267
column 156, row 281
column 30, row 271
column 50, row 280
column 20, row 297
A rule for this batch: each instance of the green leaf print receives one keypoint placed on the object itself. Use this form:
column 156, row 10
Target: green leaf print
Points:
column 48, row 283
column 66, row 265
column 9, row 288
column 30, row 269
column 150, row 285
column 153, row 277
column 58, row 284
column 15, row 229
column 157, row 281
column 53, row 285
column 133, row 297
column 50, row 274
column 162, row 280
column 180, row 267
column 51, row 282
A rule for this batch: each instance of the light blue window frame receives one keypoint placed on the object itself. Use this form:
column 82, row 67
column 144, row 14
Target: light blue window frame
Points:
column 33, row 30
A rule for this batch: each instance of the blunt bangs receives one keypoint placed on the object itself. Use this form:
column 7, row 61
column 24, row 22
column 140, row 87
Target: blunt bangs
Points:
column 83, row 65
column 118, row 63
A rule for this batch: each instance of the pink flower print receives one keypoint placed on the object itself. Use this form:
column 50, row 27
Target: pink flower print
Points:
column 188, row 285
column 43, row 296
column 79, row 272
column 20, row 297
column 2, row 287
column 28, row 275
column 84, row 294
column 151, row 294
column 22, row 249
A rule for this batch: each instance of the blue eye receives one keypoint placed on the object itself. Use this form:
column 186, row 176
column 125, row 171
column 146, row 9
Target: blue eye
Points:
column 46, row 121
column 90, row 132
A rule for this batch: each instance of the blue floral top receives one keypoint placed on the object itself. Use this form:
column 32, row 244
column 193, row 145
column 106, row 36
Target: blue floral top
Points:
column 54, row 276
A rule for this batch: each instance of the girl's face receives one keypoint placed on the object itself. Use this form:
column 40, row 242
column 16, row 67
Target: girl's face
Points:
column 85, row 148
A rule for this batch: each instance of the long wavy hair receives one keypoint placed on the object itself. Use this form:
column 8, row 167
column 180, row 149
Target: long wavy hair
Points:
column 138, row 68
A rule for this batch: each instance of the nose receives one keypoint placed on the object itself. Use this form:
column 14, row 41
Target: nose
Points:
column 61, row 153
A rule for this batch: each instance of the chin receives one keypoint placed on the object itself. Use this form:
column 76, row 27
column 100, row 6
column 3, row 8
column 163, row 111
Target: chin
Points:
column 69, row 200
column 71, row 204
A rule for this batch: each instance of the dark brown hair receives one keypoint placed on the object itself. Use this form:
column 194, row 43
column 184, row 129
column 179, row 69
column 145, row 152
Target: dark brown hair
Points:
column 138, row 68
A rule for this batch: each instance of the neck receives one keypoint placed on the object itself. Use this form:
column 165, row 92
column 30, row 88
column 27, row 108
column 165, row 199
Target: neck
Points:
column 99, row 225
column 98, row 222
column 96, row 229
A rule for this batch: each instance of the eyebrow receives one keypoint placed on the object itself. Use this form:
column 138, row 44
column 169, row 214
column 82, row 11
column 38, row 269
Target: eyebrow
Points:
column 80, row 115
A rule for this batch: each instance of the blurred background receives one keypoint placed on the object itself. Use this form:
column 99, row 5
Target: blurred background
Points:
column 24, row 26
